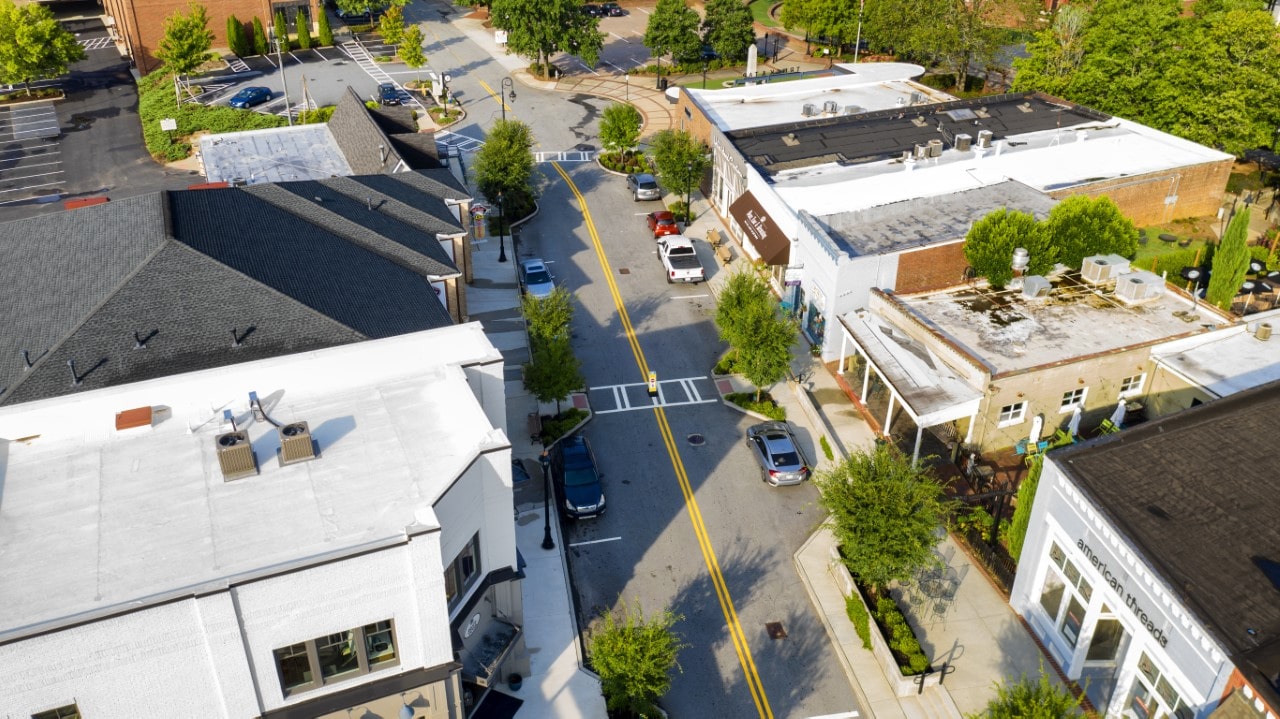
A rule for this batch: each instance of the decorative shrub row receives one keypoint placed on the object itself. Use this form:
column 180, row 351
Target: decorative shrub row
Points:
column 625, row 162
column 156, row 101
column 897, row 633
column 857, row 611
column 553, row 428
column 766, row 406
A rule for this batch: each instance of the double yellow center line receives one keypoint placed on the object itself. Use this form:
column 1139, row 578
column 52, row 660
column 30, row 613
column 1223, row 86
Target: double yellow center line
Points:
column 695, row 515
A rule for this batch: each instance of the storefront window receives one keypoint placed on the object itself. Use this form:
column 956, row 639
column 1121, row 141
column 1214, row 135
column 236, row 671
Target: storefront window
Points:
column 1105, row 645
column 1154, row 696
column 1051, row 595
column 1066, row 595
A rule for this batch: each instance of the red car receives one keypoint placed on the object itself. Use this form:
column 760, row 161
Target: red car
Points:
column 663, row 223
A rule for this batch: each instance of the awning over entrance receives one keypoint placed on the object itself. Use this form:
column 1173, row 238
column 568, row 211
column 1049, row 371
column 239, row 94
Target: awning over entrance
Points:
column 763, row 233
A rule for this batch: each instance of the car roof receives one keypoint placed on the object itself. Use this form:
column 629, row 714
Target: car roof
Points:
column 641, row 176
column 662, row 214
column 533, row 264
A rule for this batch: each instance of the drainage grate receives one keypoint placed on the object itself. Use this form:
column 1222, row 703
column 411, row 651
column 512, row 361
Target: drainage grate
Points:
column 623, row 271
column 775, row 630
column 696, row 439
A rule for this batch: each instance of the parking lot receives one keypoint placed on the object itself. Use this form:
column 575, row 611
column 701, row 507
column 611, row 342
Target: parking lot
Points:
column 30, row 157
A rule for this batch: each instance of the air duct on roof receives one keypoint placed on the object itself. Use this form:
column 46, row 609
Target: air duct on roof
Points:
column 963, row 142
column 984, row 138
column 809, row 109
column 935, row 148
column 830, row 107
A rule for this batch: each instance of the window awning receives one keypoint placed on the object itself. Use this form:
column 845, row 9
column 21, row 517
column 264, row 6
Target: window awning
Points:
column 762, row 232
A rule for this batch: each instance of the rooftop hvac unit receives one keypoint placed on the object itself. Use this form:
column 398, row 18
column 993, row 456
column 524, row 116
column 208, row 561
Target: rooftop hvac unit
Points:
column 921, row 152
column 1139, row 286
column 1035, row 287
column 1103, row 268
column 809, row 110
column 963, row 142
column 935, row 148
column 917, row 97
column 235, row 455
column 984, row 138
column 830, row 107
column 296, row 444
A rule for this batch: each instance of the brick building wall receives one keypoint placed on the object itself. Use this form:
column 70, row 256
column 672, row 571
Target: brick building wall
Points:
column 1198, row 191
column 930, row 268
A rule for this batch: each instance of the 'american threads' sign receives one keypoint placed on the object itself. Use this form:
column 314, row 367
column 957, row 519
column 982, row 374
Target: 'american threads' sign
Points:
column 1131, row 601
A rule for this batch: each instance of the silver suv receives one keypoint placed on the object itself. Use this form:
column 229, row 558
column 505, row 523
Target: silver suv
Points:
column 778, row 453
column 643, row 186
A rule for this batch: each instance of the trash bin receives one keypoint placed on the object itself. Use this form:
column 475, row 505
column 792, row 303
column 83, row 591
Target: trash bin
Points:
column 662, row 83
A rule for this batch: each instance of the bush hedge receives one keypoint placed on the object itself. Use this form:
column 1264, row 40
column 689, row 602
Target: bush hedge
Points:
column 553, row 428
column 857, row 612
column 157, row 102
column 902, row 641
column 766, row 406
column 625, row 162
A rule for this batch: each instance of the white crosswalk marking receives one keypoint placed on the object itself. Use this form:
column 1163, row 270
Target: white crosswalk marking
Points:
column 446, row 140
column 361, row 56
column 237, row 64
column 607, row 399
column 97, row 43
column 569, row 156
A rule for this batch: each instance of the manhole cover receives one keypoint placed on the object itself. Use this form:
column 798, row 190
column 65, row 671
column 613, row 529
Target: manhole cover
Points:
column 697, row 440
column 624, row 271
column 775, row 630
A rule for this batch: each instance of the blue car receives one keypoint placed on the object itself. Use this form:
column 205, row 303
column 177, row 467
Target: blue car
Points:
column 577, row 482
column 250, row 96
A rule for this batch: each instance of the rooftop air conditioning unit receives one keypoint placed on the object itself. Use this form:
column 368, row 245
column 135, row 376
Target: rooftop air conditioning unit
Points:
column 830, row 107
column 917, row 97
column 296, row 444
column 963, row 142
column 1035, row 287
column 984, row 138
column 1103, row 268
column 809, row 109
column 921, row 152
column 235, row 455
column 935, row 148
column 1140, row 286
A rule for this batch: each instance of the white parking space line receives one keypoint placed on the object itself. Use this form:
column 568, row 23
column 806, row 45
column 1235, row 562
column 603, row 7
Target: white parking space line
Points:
column 619, row 37
column 615, row 67
column 595, row 541
column 28, row 149
column 20, row 168
column 842, row 715
column 688, row 297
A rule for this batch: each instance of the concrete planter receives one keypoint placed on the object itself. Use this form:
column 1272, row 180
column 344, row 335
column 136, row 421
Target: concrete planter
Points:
column 903, row 686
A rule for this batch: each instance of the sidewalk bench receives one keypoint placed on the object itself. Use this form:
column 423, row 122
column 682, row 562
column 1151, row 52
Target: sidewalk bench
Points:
column 535, row 426
column 724, row 253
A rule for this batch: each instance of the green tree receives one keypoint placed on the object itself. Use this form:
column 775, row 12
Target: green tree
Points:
column 237, row 40
column 836, row 20
column 282, row 31
column 185, row 45
column 1021, row 521
column 33, row 44
column 884, row 513
column 367, row 7
column 729, row 28
column 672, row 30
column 504, row 165
column 304, row 30
column 742, row 302
column 681, row 159
column 324, row 33
column 260, row 45
column 988, row 247
column 538, row 29
column 761, row 337
column 548, row 317
column 1080, row 226
column 553, row 371
column 392, row 25
column 1055, row 53
column 634, row 656
column 411, row 52
column 1230, row 262
column 620, row 128
column 1026, row 699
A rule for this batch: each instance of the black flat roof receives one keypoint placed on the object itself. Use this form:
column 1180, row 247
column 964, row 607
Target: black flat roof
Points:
column 1196, row 493
column 886, row 134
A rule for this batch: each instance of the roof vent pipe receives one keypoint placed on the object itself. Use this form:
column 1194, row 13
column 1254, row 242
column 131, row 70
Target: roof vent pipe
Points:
column 1021, row 258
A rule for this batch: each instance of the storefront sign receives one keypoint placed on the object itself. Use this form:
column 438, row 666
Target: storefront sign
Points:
column 1134, row 603
column 793, row 276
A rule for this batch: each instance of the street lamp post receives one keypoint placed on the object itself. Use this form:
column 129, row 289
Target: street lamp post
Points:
column 545, row 460
column 626, row 77
column 502, row 230
column 444, row 80
column 288, row 109
column 704, row 74
column 506, row 83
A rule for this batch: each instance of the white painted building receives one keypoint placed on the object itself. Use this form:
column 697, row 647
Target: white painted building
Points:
column 161, row 560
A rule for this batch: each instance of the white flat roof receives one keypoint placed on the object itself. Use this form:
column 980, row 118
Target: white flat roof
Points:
column 278, row 154
column 867, row 86
column 1009, row 333
column 1227, row 361
column 1045, row 160
column 92, row 518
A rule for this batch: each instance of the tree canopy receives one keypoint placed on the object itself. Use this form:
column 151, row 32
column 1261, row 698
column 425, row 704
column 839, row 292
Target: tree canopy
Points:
column 749, row 319
column 620, row 128
column 672, row 30
column 1027, row 699
column 538, row 29
column 410, row 51
column 834, row 19
column 367, row 7
column 680, row 158
column 505, row 165
column 237, row 39
column 186, row 42
column 391, row 25
column 884, row 514
column 1230, row 262
column 1210, row 76
column 1081, row 226
column 728, row 28
column 989, row 246
column 33, row 44
column 634, row 656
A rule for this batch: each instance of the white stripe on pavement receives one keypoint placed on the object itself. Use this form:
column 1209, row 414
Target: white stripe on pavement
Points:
column 599, row 541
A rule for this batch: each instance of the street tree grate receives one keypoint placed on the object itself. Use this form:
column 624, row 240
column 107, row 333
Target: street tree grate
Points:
column 775, row 630
column 696, row 439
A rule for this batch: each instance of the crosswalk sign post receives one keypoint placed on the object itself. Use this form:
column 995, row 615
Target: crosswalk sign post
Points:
column 653, row 386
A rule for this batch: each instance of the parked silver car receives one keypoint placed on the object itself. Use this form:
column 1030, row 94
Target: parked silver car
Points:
column 778, row 453
column 643, row 186
column 536, row 278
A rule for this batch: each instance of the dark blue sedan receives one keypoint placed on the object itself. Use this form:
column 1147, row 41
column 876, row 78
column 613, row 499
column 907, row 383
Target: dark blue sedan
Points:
column 250, row 96
column 577, row 482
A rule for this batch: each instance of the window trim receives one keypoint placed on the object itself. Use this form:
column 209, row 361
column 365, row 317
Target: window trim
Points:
column 1077, row 588
column 359, row 646
column 1136, row 390
column 1064, row 406
column 463, row 584
column 68, row 711
column 1017, row 414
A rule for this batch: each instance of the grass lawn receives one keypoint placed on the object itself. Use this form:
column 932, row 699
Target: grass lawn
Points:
column 760, row 13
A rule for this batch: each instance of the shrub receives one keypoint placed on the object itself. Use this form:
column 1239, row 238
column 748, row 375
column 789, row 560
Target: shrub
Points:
column 304, row 31
column 282, row 30
column 259, row 37
column 901, row 640
column 558, row 426
column 727, row 364
column 318, row 115
column 324, row 33
column 156, row 101
column 826, row 448
column 766, row 406
column 237, row 40
column 857, row 612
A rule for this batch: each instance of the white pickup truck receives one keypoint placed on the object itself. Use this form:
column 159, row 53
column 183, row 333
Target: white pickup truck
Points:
column 680, row 259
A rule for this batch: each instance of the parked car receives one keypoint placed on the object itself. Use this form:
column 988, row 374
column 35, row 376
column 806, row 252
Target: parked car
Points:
column 372, row 15
column 388, row 93
column 536, row 278
column 679, row 259
column 643, row 186
column 249, row 97
column 612, row 9
column 662, row 223
column 593, row 10
column 576, row 479
column 778, row 453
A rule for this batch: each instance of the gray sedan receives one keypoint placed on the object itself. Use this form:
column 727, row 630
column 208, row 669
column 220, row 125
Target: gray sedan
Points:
column 778, row 453
column 536, row 279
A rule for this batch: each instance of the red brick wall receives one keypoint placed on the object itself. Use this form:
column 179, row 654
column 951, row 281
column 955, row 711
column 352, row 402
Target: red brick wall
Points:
column 930, row 268
column 1199, row 189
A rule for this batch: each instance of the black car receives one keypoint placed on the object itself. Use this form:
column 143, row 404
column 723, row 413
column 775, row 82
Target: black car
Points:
column 577, row 481
column 593, row 10
column 388, row 94
column 612, row 9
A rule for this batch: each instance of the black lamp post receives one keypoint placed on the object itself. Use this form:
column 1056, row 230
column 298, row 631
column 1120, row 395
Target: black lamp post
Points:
column 506, row 83
column 545, row 460
column 704, row 74
column 444, row 79
column 502, row 230
column 626, row 77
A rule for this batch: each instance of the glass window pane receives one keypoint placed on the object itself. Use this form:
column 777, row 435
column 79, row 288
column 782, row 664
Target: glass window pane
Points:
column 451, row 583
column 1148, row 668
column 67, row 712
column 337, row 655
column 1056, row 554
column 1073, row 620
column 1107, row 634
column 380, row 644
column 295, row 667
column 1051, row 595
column 1073, row 574
column 1141, row 702
column 1086, row 590
column 1166, row 692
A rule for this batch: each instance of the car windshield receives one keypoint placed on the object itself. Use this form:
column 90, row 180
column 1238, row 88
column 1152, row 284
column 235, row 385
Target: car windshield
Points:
column 666, row 221
column 579, row 476
column 786, row 459
column 647, row 184
column 537, row 277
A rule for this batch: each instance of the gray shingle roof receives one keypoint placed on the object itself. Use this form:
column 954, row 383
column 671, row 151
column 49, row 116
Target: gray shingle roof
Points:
column 408, row 195
column 1195, row 493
